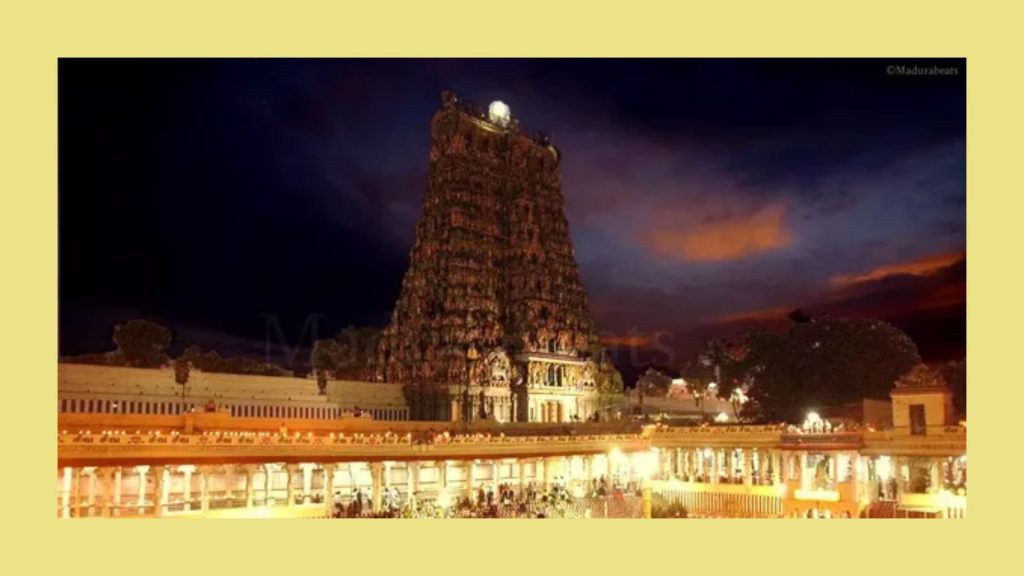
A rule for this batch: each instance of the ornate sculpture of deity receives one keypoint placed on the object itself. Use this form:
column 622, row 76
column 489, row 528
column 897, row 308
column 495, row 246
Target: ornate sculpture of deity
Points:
column 499, row 367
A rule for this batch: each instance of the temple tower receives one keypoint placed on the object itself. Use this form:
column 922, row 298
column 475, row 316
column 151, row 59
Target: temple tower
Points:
column 492, row 319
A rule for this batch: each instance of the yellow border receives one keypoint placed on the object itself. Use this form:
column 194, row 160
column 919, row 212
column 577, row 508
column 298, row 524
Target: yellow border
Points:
column 34, row 35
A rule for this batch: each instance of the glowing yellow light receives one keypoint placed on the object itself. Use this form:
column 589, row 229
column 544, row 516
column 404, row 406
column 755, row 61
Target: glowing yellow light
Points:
column 722, row 417
column 647, row 463
column 444, row 500
column 498, row 112
column 884, row 468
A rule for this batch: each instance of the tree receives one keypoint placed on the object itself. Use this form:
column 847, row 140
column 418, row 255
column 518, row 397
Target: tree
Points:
column 955, row 375
column 211, row 361
column 652, row 383
column 698, row 376
column 798, row 316
column 825, row 362
column 142, row 343
column 727, row 371
column 607, row 378
column 324, row 358
column 182, row 369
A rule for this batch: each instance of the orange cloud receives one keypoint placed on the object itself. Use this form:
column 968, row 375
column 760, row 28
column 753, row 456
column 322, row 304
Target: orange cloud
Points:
column 629, row 341
column 921, row 267
column 727, row 239
column 765, row 315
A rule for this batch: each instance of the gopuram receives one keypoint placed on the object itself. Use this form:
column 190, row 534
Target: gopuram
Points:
column 492, row 321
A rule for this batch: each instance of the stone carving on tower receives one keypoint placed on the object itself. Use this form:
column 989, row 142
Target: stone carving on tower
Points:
column 492, row 269
column 499, row 368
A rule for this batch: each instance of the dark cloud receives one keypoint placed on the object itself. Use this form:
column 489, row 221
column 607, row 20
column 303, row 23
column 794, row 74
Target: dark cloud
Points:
column 211, row 192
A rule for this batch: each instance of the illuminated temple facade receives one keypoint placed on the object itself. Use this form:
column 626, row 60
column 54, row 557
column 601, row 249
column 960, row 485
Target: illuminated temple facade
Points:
column 492, row 320
column 117, row 457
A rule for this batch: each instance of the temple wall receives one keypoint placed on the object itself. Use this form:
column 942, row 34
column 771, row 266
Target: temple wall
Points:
column 154, row 392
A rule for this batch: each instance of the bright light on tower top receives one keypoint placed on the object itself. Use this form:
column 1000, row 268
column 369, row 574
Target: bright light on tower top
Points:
column 498, row 113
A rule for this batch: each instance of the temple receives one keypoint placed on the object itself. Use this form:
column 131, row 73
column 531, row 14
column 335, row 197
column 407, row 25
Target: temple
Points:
column 492, row 320
column 130, row 444
column 491, row 329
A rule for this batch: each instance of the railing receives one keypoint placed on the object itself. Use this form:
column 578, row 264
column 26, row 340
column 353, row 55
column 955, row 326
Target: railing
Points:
column 96, row 449
column 851, row 439
column 262, row 439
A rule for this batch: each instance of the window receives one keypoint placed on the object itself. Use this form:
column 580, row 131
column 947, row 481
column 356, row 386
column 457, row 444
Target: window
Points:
column 918, row 426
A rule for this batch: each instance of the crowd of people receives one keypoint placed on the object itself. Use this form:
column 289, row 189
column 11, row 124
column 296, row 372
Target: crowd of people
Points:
column 599, row 499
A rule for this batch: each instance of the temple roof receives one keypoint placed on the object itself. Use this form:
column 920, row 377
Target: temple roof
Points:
column 920, row 376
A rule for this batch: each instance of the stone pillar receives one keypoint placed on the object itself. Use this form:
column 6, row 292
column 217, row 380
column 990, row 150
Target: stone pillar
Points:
column 549, row 472
column 414, row 477
column 187, row 492
column 443, row 472
column 934, row 475
column 748, row 467
column 833, row 464
column 715, row 466
column 65, row 492
column 107, row 509
column 776, row 467
column 78, row 507
column 166, row 487
column 329, row 489
column 898, row 465
column 268, row 484
column 588, row 464
column 495, row 474
column 470, row 479
column 204, row 490
column 289, row 472
column 159, row 490
column 377, row 469
column 118, row 477
column 249, row 485
column 143, row 472
column 522, row 475
column 801, row 471
column 90, row 501
column 307, row 483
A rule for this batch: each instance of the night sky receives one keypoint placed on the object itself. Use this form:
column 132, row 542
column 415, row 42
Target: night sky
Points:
column 704, row 197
